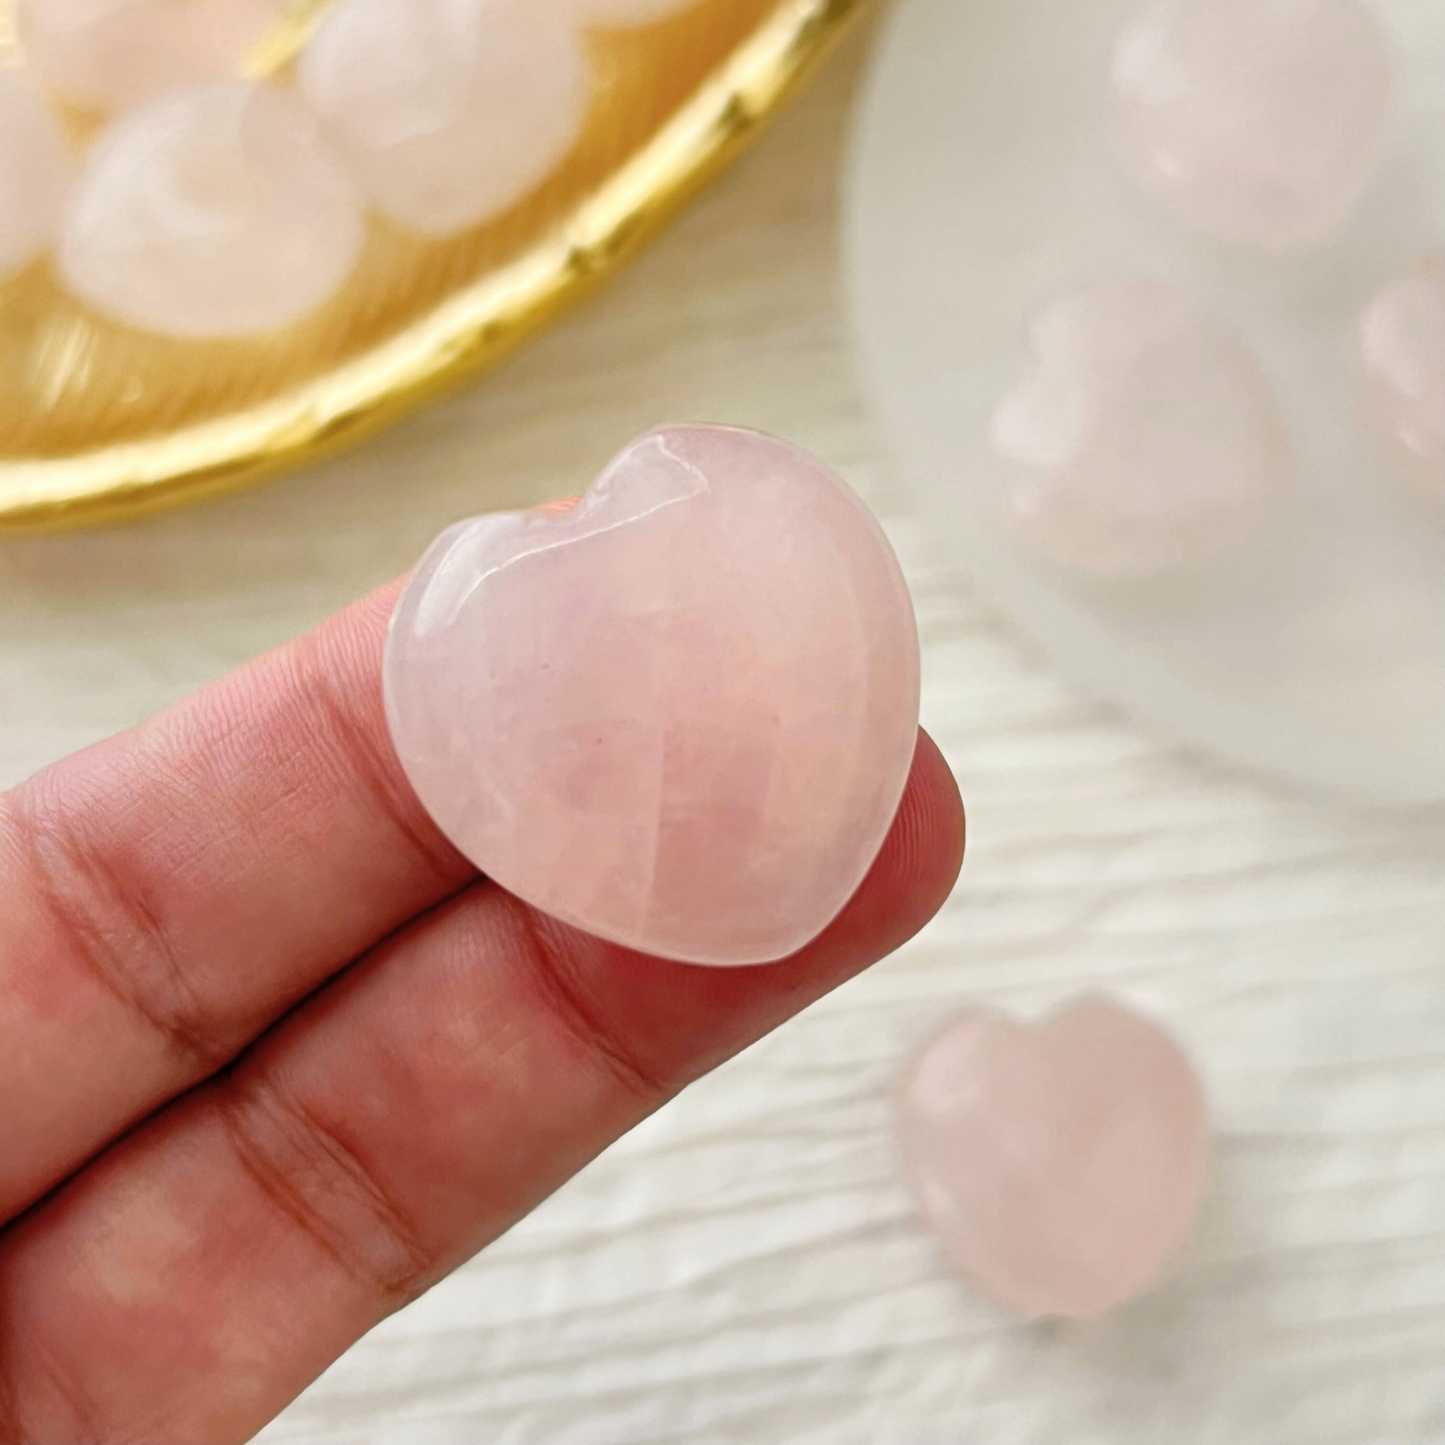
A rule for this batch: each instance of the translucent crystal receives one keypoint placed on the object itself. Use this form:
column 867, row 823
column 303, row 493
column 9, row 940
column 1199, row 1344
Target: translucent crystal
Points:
column 1260, row 121
column 216, row 211
column 450, row 111
column 1061, row 1166
column 1144, row 438
column 680, row 715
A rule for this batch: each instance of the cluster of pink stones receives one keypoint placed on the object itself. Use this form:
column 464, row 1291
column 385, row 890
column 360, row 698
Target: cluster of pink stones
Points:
column 679, row 714
column 1145, row 439
column 1061, row 1166
column 212, row 205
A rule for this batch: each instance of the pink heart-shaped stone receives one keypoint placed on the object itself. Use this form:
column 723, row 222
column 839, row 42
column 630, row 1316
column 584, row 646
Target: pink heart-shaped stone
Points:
column 1258, row 121
column 449, row 112
column 1061, row 1166
column 679, row 716
column 1143, row 440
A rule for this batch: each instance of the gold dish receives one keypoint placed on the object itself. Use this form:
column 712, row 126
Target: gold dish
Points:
column 99, row 423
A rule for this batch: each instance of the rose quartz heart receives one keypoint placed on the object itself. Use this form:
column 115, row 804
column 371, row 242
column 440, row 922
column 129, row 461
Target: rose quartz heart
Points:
column 217, row 210
column 679, row 716
column 1143, row 440
column 449, row 111
column 1061, row 1166
column 1259, row 121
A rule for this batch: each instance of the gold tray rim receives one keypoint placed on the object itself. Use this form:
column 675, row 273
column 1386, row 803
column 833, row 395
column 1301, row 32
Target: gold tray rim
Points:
column 457, row 340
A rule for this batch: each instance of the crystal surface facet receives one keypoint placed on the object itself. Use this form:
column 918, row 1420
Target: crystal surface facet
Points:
column 1402, row 358
column 1060, row 1166
column 109, row 55
column 1143, row 440
column 35, row 176
column 1258, row 121
column 679, row 716
column 215, row 211
column 450, row 111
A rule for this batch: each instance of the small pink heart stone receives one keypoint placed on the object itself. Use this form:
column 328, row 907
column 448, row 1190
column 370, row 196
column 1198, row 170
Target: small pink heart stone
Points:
column 1061, row 1166
column 1144, row 439
column 449, row 111
column 217, row 210
column 1258, row 121
column 679, row 716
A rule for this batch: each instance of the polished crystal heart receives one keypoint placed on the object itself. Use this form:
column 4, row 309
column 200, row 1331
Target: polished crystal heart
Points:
column 1143, row 440
column 217, row 210
column 679, row 715
column 449, row 111
column 1061, row 1166
column 35, row 176
column 1260, row 121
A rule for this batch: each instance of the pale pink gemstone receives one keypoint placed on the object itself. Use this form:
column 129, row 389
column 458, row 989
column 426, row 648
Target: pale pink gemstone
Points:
column 1402, row 357
column 618, row 14
column 216, row 211
column 1259, row 121
column 1144, row 440
column 1060, row 1166
column 451, row 111
column 113, row 54
column 679, row 716
column 35, row 176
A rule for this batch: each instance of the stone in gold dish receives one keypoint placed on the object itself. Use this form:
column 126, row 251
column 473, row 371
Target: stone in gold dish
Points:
column 99, row 422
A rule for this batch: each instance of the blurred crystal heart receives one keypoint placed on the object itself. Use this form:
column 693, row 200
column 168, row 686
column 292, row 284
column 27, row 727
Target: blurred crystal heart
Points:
column 1144, row 439
column 1061, row 1166
column 111, row 54
column 1402, row 357
column 215, row 211
column 1259, row 121
column 450, row 111
column 679, row 715
column 35, row 176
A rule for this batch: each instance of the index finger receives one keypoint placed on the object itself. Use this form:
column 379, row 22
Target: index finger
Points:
column 190, row 1282
column 170, row 893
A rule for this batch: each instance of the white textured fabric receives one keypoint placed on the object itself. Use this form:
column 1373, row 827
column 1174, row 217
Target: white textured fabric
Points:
column 743, row 1270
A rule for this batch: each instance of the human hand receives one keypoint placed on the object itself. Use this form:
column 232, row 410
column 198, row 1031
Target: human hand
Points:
column 274, row 1060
